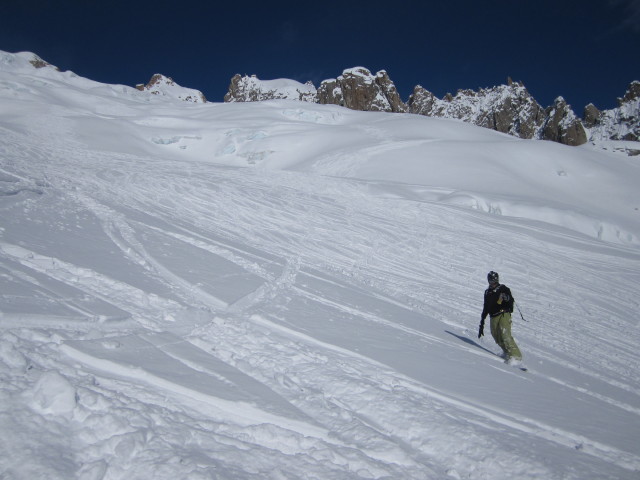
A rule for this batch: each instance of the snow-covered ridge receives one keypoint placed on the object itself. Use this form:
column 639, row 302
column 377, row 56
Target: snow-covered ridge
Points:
column 620, row 123
column 165, row 86
column 506, row 108
column 30, row 64
column 252, row 89
column 22, row 61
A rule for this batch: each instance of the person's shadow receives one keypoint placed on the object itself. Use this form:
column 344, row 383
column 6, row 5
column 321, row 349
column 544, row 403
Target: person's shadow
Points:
column 470, row 341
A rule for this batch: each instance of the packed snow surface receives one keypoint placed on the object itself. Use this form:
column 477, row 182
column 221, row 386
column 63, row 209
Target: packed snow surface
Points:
column 285, row 290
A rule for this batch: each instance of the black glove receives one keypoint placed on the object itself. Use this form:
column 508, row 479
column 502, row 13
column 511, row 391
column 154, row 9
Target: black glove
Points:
column 481, row 330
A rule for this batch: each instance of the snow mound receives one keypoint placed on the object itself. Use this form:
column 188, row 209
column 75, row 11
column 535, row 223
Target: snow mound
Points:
column 53, row 394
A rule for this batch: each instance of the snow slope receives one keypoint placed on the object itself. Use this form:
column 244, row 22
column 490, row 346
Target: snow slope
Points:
column 281, row 290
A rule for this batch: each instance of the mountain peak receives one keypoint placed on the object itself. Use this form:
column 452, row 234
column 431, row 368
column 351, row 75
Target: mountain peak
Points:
column 252, row 89
column 358, row 89
column 620, row 123
column 24, row 60
column 633, row 93
column 166, row 86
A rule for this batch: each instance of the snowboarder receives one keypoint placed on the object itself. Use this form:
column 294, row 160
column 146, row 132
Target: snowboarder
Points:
column 498, row 304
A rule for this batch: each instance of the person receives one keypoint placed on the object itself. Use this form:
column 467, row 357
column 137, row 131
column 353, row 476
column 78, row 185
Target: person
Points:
column 498, row 305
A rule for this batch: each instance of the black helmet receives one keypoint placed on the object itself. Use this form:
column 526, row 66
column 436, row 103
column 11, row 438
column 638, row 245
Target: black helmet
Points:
column 493, row 277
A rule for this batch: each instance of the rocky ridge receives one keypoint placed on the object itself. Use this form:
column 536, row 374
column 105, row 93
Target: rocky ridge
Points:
column 252, row 89
column 358, row 89
column 506, row 108
column 619, row 123
column 165, row 86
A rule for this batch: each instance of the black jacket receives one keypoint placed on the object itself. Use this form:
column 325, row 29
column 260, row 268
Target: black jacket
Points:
column 492, row 296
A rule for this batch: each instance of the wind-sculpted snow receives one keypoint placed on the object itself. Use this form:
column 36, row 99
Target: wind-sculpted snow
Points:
column 269, row 291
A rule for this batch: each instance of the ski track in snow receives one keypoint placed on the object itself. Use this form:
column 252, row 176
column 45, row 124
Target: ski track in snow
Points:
column 272, row 354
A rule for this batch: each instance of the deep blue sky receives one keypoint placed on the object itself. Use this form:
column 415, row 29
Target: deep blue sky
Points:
column 586, row 51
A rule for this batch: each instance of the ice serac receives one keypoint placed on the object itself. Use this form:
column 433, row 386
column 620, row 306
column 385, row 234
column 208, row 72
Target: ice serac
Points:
column 252, row 89
column 620, row 123
column 358, row 89
column 165, row 86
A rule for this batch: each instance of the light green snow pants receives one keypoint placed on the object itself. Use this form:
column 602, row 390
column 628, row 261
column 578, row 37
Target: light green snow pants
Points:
column 501, row 333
